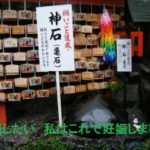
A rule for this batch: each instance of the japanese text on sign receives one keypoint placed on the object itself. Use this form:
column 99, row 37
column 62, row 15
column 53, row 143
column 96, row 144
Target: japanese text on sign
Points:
column 124, row 63
column 55, row 35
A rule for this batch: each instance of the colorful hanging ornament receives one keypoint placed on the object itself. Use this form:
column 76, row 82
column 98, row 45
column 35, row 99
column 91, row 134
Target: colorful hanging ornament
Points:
column 107, row 38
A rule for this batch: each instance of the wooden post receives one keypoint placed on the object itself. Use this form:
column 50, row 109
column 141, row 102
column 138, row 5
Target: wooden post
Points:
column 3, row 117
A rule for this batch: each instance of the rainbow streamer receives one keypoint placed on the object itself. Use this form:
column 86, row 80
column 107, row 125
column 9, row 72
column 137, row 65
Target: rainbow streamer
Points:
column 107, row 38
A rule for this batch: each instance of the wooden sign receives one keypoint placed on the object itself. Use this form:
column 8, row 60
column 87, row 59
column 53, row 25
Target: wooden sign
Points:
column 103, row 85
column 76, row 77
column 6, row 85
column 93, row 86
column 9, row 14
column 2, row 97
column 10, row 43
column 37, row 68
column 42, row 93
column 28, row 94
column 87, row 75
column 27, row 68
column 21, row 82
column 81, row 64
column 36, row 42
column 31, row 29
column 115, row 17
column 86, row 52
column 12, row 70
column 92, row 59
column 109, row 73
column 93, row 65
column 99, row 75
column 86, row 29
column 26, row 42
column 34, row 15
column 69, row 89
column 32, row 55
column 53, row 90
column 79, row 16
column 18, row 30
column 34, row 81
column 25, row 15
column 64, row 78
column 19, row 56
column 1, row 70
column 80, row 88
column 48, row 78
column 14, row 97
column 91, row 17
column 4, row 29
column 5, row 57
column 98, row 52
column 80, row 39
column 1, row 44
column 77, row 54
column 76, row 28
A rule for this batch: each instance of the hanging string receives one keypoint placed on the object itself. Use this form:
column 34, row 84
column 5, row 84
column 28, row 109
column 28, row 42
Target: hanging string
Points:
column 80, row 7
column 9, row 4
column 25, row 5
column 114, row 9
column 67, row 1
column 39, row 3
column 53, row 2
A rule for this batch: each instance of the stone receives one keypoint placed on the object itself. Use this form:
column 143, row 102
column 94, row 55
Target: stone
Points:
column 94, row 111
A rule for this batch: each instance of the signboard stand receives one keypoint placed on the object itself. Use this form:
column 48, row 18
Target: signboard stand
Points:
column 56, row 45
column 58, row 98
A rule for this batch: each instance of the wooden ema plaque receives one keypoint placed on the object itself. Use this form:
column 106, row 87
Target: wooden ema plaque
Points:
column 2, row 97
column 21, row 82
column 26, row 42
column 12, row 70
column 93, row 86
column 4, row 29
column 76, row 28
column 43, row 93
column 27, row 68
column 86, row 52
column 115, row 17
column 9, row 14
column 28, row 94
column 80, row 88
column 91, row 17
column 10, row 43
column 77, row 54
column 86, row 29
column 80, row 16
column 6, row 85
column 25, row 15
column 34, row 81
column 18, row 30
column 87, row 75
column 14, row 97
column 32, row 55
column 5, row 57
column 48, row 78
column 1, row 71
column 80, row 39
column 31, row 29
column 98, row 52
column 19, row 56
column 69, row 89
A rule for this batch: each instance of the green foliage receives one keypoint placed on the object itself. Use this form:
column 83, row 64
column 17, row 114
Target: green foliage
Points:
column 115, row 86
column 53, row 143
